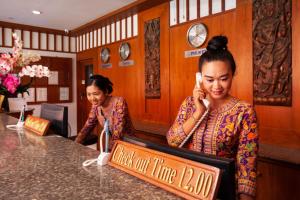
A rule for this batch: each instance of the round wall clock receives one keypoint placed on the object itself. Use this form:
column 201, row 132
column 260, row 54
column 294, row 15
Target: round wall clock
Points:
column 197, row 34
column 124, row 50
column 105, row 55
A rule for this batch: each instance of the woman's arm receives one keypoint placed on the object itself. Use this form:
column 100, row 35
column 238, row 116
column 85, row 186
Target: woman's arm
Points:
column 246, row 155
column 185, row 121
column 120, row 119
column 89, row 125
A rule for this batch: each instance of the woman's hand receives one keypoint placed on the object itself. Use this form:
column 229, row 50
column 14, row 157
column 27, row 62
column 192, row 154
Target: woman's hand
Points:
column 198, row 95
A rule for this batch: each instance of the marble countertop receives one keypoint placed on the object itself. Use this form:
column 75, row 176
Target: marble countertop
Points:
column 50, row 167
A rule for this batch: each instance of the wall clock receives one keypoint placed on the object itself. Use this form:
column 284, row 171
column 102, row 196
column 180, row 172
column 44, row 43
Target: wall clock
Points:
column 124, row 50
column 105, row 55
column 196, row 35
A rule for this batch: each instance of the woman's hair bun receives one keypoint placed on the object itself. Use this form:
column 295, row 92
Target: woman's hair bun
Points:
column 217, row 43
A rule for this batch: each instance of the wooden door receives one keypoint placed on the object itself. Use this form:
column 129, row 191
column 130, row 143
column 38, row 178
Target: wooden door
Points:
column 84, row 71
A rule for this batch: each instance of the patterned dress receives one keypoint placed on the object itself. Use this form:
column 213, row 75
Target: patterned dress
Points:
column 229, row 131
column 119, row 121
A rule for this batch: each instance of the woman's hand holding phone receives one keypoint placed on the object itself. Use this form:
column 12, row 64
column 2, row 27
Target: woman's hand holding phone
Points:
column 199, row 95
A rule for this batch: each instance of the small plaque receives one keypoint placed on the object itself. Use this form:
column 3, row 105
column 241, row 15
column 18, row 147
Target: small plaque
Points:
column 186, row 178
column 125, row 63
column 36, row 125
column 106, row 65
column 194, row 53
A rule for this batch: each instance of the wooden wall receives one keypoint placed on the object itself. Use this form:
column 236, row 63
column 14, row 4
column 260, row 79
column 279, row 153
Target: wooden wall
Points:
column 129, row 82
column 233, row 24
column 278, row 125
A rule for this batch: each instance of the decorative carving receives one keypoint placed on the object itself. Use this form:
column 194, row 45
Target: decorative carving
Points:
column 272, row 52
column 152, row 58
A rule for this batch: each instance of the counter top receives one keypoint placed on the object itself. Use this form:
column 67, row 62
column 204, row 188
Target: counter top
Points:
column 279, row 145
column 50, row 167
column 279, row 153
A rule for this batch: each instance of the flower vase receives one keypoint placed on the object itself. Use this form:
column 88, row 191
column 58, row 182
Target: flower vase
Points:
column 5, row 105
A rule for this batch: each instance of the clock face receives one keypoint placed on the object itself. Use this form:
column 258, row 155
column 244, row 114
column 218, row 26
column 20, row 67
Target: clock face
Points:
column 105, row 55
column 197, row 35
column 124, row 50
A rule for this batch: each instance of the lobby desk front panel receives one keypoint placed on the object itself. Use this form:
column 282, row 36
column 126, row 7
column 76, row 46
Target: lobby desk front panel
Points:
column 50, row 167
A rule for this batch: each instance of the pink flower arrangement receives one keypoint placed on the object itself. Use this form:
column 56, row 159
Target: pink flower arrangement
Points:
column 11, row 83
column 15, row 65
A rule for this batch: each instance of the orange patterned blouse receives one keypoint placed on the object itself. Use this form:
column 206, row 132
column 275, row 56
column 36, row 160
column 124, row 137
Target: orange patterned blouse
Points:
column 229, row 131
column 119, row 121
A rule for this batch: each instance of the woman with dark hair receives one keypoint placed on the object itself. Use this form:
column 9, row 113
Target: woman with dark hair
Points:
column 105, row 107
column 230, row 127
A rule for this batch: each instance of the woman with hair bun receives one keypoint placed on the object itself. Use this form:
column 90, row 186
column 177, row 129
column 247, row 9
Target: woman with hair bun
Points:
column 105, row 107
column 230, row 127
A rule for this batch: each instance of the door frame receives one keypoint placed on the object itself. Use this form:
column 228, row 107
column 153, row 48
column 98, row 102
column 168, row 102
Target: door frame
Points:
column 80, row 64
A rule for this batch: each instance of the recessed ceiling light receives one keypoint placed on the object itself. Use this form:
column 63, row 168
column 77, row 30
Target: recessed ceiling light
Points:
column 36, row 12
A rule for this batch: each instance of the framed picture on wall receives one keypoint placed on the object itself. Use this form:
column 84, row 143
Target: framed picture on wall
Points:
column 31, row 96
column 63, row 93
column 41, row 94
column 53, row 78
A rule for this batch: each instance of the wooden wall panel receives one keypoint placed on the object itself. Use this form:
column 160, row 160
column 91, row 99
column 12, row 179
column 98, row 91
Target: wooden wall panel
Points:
column 182, row 70
column 126, row 80
column 296, row 65
column 129, row 81
column 277, row 181
column 276, row 124
column 157, row 110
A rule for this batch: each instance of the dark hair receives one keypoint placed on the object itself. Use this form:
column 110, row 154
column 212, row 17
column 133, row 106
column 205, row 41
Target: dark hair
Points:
column 217, row 50
column 101, row 82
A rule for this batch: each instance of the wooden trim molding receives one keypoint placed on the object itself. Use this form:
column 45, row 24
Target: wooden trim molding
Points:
column 2, row 30
column 39, row 30
column 177, row 12
column 116, row 15
column 31, row 28
column 187, row 8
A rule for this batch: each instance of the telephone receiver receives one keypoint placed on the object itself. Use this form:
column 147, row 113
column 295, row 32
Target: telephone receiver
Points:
column 198, row 81
column 104, row 153
column 206, row 104
column 21, row 121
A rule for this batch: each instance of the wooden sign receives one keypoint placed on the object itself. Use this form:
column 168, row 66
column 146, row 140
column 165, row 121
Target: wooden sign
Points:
column 186, row 178
column 36, row 124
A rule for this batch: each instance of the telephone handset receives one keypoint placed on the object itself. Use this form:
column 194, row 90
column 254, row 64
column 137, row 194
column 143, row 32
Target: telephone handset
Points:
column 206, row 104
column 21, row 121
column 104, row 154
column 198, row 81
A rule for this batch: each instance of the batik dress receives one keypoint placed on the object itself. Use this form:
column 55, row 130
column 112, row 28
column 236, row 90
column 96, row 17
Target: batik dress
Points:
column 119, row 121
column 229, row 131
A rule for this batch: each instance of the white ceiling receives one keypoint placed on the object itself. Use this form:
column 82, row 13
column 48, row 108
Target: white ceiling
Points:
column 57, row 14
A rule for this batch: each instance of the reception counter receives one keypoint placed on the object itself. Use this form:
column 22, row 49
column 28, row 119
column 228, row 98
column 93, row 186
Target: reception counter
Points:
column 50, row 167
